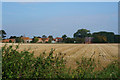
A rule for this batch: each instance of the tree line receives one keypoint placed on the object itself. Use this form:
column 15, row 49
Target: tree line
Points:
column 96, row 37
column 78, row 37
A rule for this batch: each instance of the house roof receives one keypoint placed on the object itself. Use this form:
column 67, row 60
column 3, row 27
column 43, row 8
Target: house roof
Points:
column 7, row 40
column 58, row 38
column 26, row 38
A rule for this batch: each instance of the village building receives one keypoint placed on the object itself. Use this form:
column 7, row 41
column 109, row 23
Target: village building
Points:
column 8, row 41
column 53, row 41
column 26, row 39
column 46, row 40
column 58, row 39
column 43, row 40
column 40, row 40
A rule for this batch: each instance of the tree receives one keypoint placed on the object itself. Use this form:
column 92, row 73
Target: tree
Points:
column 50, row 38
column 2, row 33
column 81, row 33
column 44, row 36
column 19, row 40
column 69, row 40
column 79, row 40
column 38, row 37
column 64, row 36
column 108, row 35
column 10, row 41
column 99, row 39
column 35, row 39
column 12, row 37
column 117, row 38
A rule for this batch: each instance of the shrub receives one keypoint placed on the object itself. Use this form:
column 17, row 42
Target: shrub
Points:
column 23, row 64
column 10, row 41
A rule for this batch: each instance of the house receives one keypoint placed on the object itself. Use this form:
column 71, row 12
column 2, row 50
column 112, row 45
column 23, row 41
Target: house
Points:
column 88, row 40
column 40, row 40
column 43, row 40
column 8, row 41
column 26, row 39
column 47, row 39
column 53, row 41
column 58, row 39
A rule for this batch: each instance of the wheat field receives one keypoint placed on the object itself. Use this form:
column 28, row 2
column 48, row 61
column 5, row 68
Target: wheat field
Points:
column 104, row 53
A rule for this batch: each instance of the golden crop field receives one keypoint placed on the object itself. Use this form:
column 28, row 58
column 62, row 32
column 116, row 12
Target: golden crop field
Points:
column 105, row 53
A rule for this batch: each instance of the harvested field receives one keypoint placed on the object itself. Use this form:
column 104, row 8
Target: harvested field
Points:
column 105, row 53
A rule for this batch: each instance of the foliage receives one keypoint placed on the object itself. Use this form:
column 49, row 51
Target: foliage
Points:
column 64, row 36
column 69, row 40
column 35, row 39
column 79, row 40
column 44, row 36
column 78, row 37
column 50, row 36
column 2, row 33
column 81, row 33
column 23, row 64
column 12, row 37
column 19, row 40
column 10, row 41
column 50, row 40
column 108, row 35
column 99, row 39
column 117, row 38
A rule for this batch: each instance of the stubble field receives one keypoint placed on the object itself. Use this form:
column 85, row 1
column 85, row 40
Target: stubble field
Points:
column 104, row 53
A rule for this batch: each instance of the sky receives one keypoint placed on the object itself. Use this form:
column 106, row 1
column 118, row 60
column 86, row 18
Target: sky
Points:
column 58, row 18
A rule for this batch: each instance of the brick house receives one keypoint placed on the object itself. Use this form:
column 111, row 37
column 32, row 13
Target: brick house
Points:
column 43, row 40
column 40, row 40
column 58, row 39
column 8, row 40
column 26, row 39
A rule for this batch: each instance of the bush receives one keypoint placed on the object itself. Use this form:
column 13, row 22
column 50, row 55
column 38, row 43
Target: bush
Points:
column 10, row 41
column 22, row 64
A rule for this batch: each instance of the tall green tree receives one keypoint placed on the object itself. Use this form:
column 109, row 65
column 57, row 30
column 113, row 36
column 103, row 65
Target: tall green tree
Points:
column 50, row 38
column 64, row 36
column 81, row 33
column 2, row 33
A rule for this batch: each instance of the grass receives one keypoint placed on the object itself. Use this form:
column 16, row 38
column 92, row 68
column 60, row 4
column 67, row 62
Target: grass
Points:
column 23, row 64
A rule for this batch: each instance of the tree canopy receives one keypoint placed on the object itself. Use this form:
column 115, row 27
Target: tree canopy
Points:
column 81, row 33
column 2, row 33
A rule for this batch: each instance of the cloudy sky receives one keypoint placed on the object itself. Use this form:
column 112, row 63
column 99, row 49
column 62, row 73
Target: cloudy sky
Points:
column 36, row 19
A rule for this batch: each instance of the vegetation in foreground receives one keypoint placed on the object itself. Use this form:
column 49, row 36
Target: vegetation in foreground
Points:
column 23, row 65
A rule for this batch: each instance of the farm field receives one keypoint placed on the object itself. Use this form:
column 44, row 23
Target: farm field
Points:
column 105, row 53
